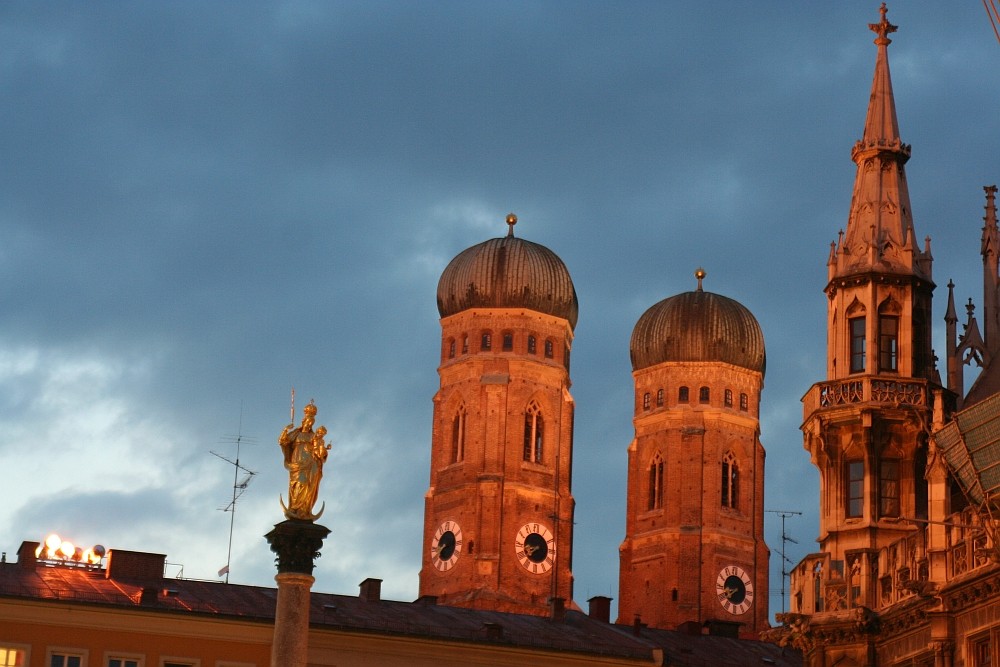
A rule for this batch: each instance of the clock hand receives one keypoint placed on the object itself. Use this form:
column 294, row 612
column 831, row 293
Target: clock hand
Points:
column 529, row 549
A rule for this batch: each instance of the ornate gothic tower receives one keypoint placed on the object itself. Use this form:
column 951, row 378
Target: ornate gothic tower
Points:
column 866, row 426
column 498, row 517
column 694, row 547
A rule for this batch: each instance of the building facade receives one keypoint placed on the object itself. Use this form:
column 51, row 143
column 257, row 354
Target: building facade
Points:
column 906, row 572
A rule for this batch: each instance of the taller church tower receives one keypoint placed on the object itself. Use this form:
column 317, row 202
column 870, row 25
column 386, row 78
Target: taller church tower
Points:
column 498, row 516
column 694, row 547
column 866, row 426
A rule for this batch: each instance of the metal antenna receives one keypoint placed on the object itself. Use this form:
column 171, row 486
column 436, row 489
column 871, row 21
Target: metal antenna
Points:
column 239, row 485
column 785, row 560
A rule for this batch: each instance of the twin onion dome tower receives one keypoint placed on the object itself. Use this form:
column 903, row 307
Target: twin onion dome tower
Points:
column 498, row 522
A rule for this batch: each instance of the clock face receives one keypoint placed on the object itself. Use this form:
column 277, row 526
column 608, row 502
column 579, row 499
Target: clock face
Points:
column 446, row 546
column 535, row 547
column 735, row 589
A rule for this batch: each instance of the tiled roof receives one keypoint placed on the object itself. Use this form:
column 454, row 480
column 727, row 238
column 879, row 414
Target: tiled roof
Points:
column 573, row 632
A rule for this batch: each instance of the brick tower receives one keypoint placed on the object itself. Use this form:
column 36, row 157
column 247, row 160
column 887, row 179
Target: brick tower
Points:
column 694, row 547
column 498, row 516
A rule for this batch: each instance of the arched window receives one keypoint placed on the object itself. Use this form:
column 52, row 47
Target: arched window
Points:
column 458, row 435
column 645, row 401
column 486, row 342
column 659, row 397
column 532, row 344
column 729, row 398
column 703, row 395
column 508, row 341
column 549, row 349
column 682, row 395
column 730, row 481
column 744, row 402
column 566, row 357
column 451, row 348
column 656, row 483
column 465, row 344
column 534, row 433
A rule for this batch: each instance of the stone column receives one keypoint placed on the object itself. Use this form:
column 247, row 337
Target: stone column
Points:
column 297, row 544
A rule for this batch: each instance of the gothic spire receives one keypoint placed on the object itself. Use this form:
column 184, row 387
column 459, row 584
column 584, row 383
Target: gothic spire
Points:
column 880, row 236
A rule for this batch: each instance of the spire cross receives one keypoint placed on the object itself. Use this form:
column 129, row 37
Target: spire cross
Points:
column 882, row 28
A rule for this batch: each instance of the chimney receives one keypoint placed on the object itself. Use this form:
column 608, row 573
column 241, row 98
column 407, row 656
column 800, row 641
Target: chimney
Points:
column 637, row 626
column 427, row 600
column 135, row 565
column 493, row 630
column 26, row 555
column 600, row 608
column 148, row 596
column 371, row 590
column 558, row 608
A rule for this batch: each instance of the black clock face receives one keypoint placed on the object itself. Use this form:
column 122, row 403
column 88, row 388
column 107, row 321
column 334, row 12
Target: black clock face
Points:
column 737, row 589
column 446, row 545
column 535, row 548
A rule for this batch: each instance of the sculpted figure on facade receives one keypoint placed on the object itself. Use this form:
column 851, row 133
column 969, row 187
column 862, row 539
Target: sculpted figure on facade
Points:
column 305, row 451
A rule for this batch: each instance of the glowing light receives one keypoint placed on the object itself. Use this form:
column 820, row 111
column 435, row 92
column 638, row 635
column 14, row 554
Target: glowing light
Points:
column 54, row 548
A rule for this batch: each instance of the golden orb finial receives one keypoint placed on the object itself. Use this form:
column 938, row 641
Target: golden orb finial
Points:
column 511, row 220
column 700, row 275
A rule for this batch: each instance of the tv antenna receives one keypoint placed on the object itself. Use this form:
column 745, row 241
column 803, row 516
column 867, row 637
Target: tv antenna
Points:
column 240, row 484
column 785, row 560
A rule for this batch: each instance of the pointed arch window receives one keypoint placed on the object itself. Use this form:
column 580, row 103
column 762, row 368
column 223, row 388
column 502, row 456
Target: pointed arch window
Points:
column 655, row 496
column 458, row 435
column 534, row 433
column 730, row 481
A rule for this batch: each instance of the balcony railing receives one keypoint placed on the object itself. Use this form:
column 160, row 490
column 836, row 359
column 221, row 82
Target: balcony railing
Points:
column 867, row 389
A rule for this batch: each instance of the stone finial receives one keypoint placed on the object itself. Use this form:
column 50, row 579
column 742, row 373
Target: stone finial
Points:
column 511, row 221
column 883, row 28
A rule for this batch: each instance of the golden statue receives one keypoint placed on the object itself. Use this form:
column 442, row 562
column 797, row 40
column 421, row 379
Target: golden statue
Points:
column 305, row 453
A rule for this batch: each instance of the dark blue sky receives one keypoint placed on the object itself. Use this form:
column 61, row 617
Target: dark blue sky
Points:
column 205, row 204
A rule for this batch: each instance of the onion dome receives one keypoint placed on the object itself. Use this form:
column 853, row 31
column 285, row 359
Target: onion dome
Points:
column 698, row 326
column 508, row 273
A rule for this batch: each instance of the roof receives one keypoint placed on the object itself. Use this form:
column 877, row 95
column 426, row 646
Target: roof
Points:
column 508, row 272
column 698, row 326
column 574, row 631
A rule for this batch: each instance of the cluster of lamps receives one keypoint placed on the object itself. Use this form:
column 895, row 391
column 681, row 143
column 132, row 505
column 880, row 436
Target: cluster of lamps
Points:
column 55, row 549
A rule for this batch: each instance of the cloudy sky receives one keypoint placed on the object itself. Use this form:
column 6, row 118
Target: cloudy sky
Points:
column 203, row 205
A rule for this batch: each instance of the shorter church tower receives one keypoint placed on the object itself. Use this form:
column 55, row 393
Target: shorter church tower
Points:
column 694, row 548
column 498, row 516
